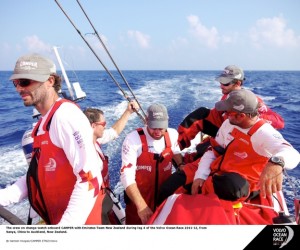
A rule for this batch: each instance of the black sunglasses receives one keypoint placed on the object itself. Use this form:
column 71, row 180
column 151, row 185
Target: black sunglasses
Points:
column 22, row 82
column 226, row 84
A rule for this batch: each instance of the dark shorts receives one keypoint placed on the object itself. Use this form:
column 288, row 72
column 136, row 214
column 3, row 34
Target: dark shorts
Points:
column 107, row 205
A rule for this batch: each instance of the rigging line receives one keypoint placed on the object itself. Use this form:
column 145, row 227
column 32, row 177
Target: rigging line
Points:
column 258, row 205
column 113, row 61
column 10, row 217
column 106, row 69
column 290, row 183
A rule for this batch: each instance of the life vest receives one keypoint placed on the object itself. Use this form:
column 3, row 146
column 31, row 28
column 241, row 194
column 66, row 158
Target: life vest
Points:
column 50, row 177
column 152, row 170
column 207, row 209
column 239, row 157
column 208, row 121
column 113, row 212
column 104, row 172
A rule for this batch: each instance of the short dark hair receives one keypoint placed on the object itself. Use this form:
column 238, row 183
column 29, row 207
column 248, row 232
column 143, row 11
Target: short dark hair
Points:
column 93, row 114
column 235, row 81
column 57, row 82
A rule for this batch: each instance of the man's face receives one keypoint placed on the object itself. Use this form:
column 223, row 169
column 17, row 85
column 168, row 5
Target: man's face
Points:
column 228, row 87
column 156, row 133
column 32, row 92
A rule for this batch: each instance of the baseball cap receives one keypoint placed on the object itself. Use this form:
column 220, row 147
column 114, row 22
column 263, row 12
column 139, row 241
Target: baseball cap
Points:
column 157, row 116
column 231, row 72
column 34, row 67
column 241, row 101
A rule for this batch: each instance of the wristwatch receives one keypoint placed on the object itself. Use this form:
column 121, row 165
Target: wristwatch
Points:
column 277, row 160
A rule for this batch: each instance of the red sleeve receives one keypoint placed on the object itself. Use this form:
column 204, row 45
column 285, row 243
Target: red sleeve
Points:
column 203, row 120
column 269, row 115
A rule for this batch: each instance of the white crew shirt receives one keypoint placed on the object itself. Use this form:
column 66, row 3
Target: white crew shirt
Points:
column 71, row 131
column 132, row 149
column 266, row 141
column 109, row 135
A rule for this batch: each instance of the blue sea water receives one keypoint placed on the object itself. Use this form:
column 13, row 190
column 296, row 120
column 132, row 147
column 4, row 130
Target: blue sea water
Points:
column 180, row 91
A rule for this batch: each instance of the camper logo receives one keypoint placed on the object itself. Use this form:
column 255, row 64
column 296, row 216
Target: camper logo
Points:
column 282, row 236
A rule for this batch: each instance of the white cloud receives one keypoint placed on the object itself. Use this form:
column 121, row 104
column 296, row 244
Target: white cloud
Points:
column 143, row 40
column 179, row 43
column 233, row 38
column 207, row 36
column 93, row 40
column 273, row 31
column 33, row 43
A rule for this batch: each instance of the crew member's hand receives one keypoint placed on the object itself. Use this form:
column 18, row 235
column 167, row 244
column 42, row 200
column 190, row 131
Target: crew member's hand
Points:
column 197, row 184
column 133, row 106
column 145, row 214
column 270, row 180
column 181, row 167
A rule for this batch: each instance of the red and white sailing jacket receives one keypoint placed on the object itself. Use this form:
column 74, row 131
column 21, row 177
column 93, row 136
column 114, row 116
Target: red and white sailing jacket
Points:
column 152, row 170
column 51, row 178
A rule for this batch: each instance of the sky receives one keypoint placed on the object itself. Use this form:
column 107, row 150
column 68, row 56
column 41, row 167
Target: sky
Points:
column 155, row 34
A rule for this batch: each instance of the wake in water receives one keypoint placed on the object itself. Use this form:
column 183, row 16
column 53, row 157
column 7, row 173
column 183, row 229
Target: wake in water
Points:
column 180, row 91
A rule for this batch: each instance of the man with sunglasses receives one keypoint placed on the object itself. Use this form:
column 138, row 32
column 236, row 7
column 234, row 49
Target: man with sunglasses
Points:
column 239, row 178
column 64, row 179
column 208, row 121
column 247, row 156
column 147, row 155
column 102, row 136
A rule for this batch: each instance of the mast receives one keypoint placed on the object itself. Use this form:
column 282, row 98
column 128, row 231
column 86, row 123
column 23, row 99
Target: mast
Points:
column 64, row 73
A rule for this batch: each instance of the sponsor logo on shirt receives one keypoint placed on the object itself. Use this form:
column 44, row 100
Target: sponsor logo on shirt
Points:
column 51, row 165
column 241, row 155
column 78, row 139
column 143, row 167
column 244, row 141
column 125, row 149
column 168, row 167
column 127, row 166
column 44, row 143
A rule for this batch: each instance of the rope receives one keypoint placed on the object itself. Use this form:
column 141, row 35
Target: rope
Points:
column 103, row 65
column 10, row 217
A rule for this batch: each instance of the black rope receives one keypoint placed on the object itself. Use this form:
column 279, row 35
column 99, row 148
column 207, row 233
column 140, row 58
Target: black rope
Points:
column 113, row 61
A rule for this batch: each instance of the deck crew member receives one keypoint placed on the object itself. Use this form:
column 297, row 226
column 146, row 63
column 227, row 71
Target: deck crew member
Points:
column 247, row 156
column 208, row 122
column 147, row 155
column 102, row 136
column 64, row 179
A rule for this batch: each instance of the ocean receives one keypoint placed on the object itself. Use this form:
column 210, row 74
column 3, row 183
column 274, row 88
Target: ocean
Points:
column 180, row 91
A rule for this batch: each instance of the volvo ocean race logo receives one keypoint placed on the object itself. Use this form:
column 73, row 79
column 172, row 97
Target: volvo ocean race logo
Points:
column 282, row 236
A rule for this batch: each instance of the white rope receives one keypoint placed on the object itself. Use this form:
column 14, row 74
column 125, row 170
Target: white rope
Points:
column 257, row 205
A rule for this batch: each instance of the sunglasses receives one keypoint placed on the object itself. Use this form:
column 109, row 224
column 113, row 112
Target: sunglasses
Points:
column 22, row 82
column 225, row 84
column 231, row 113
column 101, row 123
